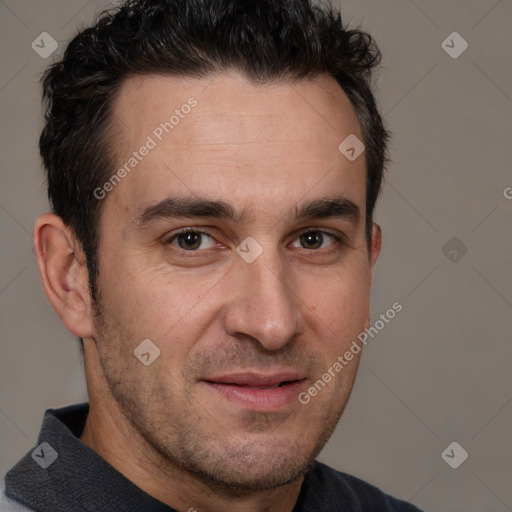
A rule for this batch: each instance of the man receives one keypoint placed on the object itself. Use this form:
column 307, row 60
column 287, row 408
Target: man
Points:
column 213, row 168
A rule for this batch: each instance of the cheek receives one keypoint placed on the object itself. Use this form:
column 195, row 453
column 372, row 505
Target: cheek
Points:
column 339, row 300
column 169, row 308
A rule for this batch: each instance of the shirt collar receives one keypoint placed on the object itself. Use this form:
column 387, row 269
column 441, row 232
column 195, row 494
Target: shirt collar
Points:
column 63, row 474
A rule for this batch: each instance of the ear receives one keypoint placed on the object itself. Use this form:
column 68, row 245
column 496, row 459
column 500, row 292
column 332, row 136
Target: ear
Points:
column 374, row 255
column 64, row 275
column 376, row 246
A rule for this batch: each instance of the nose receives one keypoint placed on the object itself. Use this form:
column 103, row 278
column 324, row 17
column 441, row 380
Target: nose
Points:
column 262, row 303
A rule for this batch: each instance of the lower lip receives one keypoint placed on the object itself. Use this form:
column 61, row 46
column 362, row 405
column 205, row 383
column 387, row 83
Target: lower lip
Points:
column 260, row 399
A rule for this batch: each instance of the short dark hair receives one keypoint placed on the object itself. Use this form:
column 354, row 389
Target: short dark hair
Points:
column 266, row 40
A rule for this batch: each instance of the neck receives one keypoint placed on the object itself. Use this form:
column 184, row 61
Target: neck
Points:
column 108, row 432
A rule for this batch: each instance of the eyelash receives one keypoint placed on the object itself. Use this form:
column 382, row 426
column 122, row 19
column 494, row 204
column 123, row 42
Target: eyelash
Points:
column 339, row 240
column 184, row 231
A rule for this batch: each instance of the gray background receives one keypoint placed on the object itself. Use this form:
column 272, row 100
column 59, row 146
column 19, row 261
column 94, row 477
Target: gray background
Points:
column 438, row 372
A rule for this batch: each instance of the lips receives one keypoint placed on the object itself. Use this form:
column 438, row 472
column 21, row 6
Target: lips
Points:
column 255, row 380
column 258, row 391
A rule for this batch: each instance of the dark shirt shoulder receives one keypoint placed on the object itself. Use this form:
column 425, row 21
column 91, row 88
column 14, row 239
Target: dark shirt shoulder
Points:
column 325, row 489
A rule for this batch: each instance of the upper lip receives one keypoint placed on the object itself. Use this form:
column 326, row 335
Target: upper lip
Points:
column 255, row 379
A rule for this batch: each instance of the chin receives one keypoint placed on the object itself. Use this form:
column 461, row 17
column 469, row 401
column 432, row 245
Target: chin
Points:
column 260, row 477
column 250, row 466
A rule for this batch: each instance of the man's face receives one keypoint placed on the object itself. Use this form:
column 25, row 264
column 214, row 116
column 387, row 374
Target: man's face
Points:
column 240, row 334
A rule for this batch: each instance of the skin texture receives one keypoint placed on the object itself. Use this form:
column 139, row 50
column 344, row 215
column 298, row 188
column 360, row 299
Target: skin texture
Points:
column 265, row 150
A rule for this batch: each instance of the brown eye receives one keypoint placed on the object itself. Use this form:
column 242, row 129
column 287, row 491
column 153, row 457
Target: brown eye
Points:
column 315, row 240
column 312, row 240
column 192, row 240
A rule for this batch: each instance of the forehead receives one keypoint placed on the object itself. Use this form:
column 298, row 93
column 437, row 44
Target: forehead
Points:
column 228, row 138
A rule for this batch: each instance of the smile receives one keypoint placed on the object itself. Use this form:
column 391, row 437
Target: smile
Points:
column 258, row 392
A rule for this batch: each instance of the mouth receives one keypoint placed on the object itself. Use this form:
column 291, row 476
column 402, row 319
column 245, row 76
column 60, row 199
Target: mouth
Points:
column 256, row 391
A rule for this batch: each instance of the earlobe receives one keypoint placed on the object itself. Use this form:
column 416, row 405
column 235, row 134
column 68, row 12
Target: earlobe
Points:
column 64, row 276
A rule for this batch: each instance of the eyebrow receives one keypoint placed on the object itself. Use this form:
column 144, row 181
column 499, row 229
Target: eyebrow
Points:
column 177, row 207
column 328, row 207
column 187, row 207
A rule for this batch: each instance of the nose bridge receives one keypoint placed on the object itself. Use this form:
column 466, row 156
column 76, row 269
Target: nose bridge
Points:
column 263, row 305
